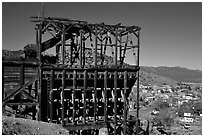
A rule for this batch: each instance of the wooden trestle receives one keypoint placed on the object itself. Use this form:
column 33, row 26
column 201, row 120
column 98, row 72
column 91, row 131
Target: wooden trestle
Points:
column 81, row 91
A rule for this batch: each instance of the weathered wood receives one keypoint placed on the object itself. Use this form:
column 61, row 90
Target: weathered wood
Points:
column 115, row 100
column 80, row 46
column 3, row 94
column 84, row 127
column 137, row 73
column 125, row 102
column 19, row 63
column 84, row 101
column 62, row 96
column 29, row 96
column 67, row 28
column 19, row 90
column 22, row 80
column 116, row 48
column 63, row 44
column 36, row 89
column 95, row 50
column 95, row 95
column 84, row 57
column 92, row 69
column 51, row 94
column 21, row 103
column 105, row 94
column 74, row 96
column 120, row 48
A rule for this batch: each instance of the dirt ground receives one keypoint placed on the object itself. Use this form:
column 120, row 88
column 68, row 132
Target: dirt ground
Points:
column 19, row 126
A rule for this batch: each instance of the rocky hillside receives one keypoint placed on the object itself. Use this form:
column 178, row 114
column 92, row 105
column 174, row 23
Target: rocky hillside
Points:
column 20, row 126
column 12, row 55
column 147, row 77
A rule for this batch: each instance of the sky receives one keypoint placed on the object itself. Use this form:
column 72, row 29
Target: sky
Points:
column 171, row 33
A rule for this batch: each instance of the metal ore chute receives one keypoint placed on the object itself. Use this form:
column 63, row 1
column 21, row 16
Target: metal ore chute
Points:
column 88, row 85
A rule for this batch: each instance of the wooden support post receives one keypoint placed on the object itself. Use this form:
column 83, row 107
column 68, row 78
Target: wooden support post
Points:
column 115, row 100
column 30, row 89
column 71, row 54
column 101, row 48
column 137, row 115
column 36, row 96
column 48, row 89
column 22, row 81
column 116, row 49
column 95, row 95
column 36, row 89
column 84, row 101
column 22, row 75
column 105, row 94
column 95, row 51
column 40, row 113
column 3, row 94
column 138, row 49
column 63, row 44
column 80, row 54
column 40, row 72
column 84, row 56
column 39, row 42
column 62, row 95
column 57, row 52
column 120, row 53
column 51, row 94
column 125, row 103
column 36, row 32
column 125, row 48
column 74, row 95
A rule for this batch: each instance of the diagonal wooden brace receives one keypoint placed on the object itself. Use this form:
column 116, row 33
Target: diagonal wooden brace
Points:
column 19, row 90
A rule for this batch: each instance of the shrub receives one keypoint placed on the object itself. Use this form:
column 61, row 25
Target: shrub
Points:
column 31, row 51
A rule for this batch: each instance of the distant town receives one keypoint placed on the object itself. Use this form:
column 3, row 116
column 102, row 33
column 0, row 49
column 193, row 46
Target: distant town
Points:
column 170, row 109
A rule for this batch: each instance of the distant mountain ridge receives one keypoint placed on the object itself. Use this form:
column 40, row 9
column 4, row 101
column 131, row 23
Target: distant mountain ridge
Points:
column 148, row 75
column 179, row 74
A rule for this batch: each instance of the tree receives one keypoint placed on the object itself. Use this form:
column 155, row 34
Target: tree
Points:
column 197, row 107
column 185, row 107
column 164, row 118
column 31, row 50
column 160, row 104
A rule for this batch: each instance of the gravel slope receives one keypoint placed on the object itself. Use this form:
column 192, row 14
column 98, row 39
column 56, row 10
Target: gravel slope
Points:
column 19, row 126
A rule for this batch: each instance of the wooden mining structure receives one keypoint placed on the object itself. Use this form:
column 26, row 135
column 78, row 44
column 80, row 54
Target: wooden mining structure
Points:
column 88, row 86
